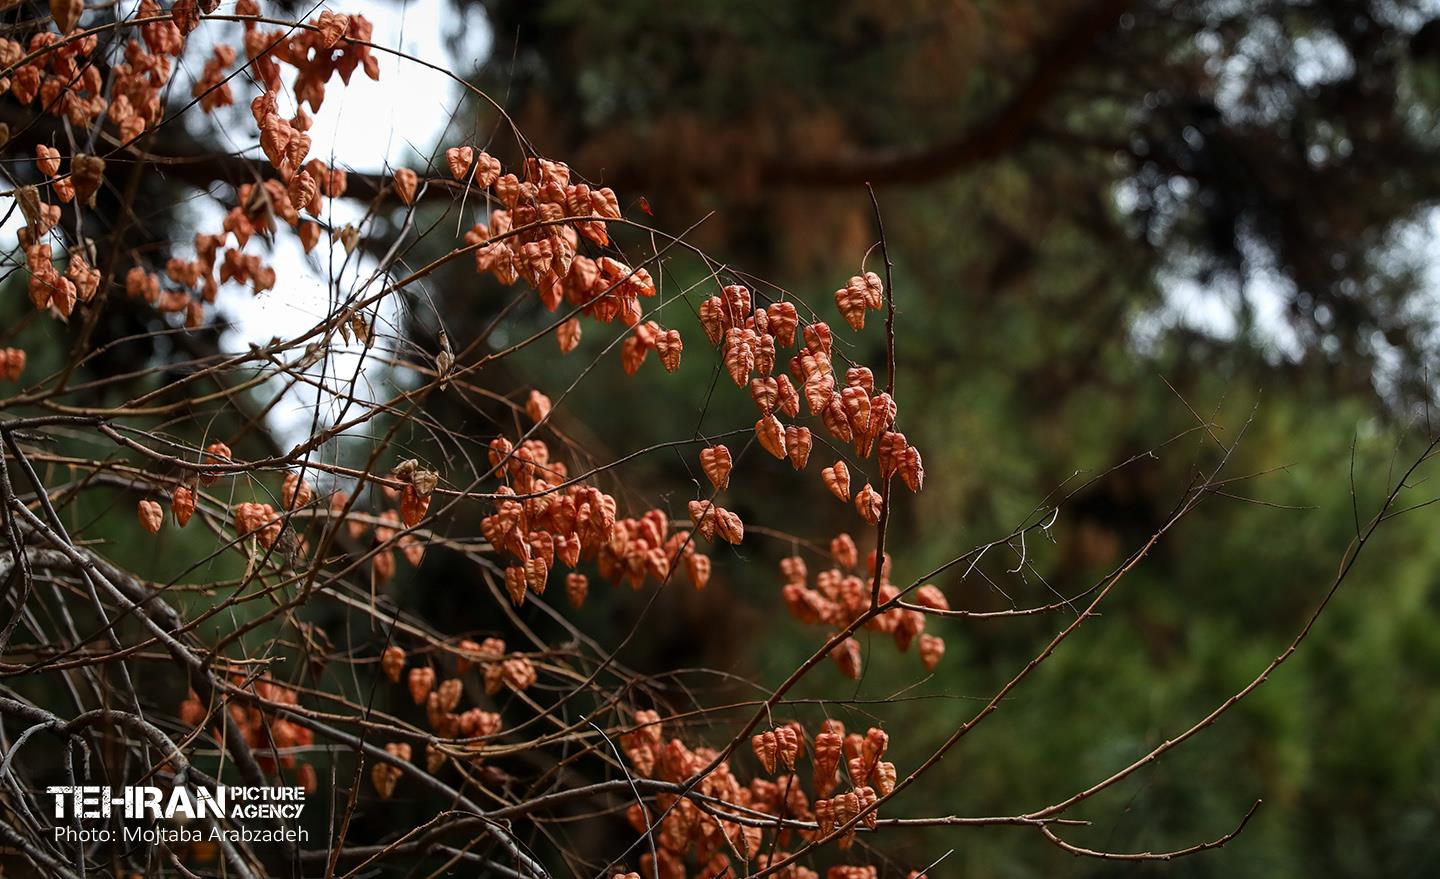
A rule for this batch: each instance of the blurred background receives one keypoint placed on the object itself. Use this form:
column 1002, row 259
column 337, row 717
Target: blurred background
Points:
column 1108, row 219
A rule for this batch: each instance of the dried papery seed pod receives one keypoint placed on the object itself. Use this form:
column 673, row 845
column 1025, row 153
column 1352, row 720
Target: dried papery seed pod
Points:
column 882, row 413
column 66, row 14
column 669, row 346
column 577, row 586
column 420, row 682
column 836, row 422
column 851, row 303
column 782, row 322
column 257, row 519
column 827, row 752
column 458, row 160
column 151, row 516
column 765, row 748
column 712, row 319
column 825, row 818
column 182, row 505
column 302, row 190
column 567, row 335
column 392, row 662
column 500, row 449
column 536, row 573
column 837, row 479
column 844, row 551
column 515, row 584
column 537, row 406
column 787, row 399
column 912, row 470
column 406, row 183
column 860, row 377
column 434, row 758
column 787, row 745
column 771, row 435
column 873, row 289
column 295, row 492
column 931, row 596
column 385, row 777
column 449, row 692
column 729, row 526
column 697, row 568
column 890, row 453
column 885, row 778
column 12, row 363
column 218, row 453
column 330, row 27
column 703, row 518
column 468, row 651
column 932, row 650
column 867, row 798
column 765, row 392
column 868, row 504
column 857, row 409
column 797, row 445
column 47, row 159
column 477, row 723
column 739, row 357
column 567, row 549
column 737, row 304
column 632, row 355
column 759, row 321
column 911, row 624
column 793, row 569
column 873, row 747
column 818, row 338
column 764, row 349
column 716, row 463
column 413, row 506
column 847, row 656
column 309, row 237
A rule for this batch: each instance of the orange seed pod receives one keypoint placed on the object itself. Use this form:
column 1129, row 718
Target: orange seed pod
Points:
column 421, row 681
column 716, row 463
column 392, row 662
column 182, row 505
column 771, row 435
column 405, row 185
column 868, row 503
column 151, row 516
column 837, row 479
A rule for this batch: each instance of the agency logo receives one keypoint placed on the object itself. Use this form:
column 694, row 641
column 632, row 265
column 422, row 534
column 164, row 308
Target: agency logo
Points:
column 221, row 809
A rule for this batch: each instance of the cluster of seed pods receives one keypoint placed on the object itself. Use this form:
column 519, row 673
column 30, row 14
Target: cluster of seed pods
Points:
column 500, row 670
column 12, row 363
column 539, row 525
column 848, row 775
column 843, row 594
column 270, row 737
column 62, row 75
column 750, row 338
